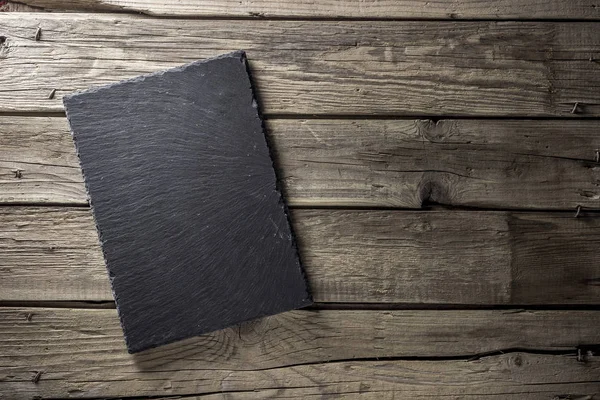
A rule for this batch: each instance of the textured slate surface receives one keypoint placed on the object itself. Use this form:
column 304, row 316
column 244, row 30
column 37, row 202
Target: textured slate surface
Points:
column 194, row 231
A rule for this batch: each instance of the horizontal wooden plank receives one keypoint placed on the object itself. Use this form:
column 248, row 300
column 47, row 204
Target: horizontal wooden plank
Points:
column 524, row 164
column 440, row 257
column 387, row 9
column 38, row 163
column 319, row 67
column 82, row 354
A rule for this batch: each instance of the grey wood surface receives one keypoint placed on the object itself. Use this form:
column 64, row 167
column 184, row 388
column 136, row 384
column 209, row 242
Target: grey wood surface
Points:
column 414, row 68
column 505, row 164
column 430, row 257
column 375, row 109
column 386, row 9
column 479, row 354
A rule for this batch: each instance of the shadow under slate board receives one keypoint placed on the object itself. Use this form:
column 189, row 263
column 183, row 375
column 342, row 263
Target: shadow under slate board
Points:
column 194, row 230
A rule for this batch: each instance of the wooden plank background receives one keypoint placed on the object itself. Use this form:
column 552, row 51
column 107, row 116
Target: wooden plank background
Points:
column 428, row 257
column 320, row 67
column 362, row 163
column 307, row 353
column 379, row 9
column 435, row 155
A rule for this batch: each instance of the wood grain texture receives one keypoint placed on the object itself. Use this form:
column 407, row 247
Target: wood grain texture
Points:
column 406, row 163
column 306, row 354
column 386, row 9
column 38, row 161
column 319, row 67
column 525, row 164
column 435, row 257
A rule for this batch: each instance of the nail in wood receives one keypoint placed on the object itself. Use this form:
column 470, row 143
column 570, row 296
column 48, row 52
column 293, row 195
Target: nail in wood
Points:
column 37, row 376
column 580, row 356
column 575, row 108
column 578, row 212
column 52, row 93
column 38, row 34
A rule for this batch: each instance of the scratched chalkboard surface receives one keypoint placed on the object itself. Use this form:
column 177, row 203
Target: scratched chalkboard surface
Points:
column 194, row 230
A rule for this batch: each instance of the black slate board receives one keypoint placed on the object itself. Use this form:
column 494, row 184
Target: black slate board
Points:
column 194, row 230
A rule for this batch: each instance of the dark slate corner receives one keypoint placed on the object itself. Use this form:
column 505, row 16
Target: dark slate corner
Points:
column 194, row 230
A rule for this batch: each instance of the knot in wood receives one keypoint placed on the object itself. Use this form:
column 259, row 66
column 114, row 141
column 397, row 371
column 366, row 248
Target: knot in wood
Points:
column 436, row 131
column 518, row 361
column 254, row 332
column 3, row 46
column 431, row 191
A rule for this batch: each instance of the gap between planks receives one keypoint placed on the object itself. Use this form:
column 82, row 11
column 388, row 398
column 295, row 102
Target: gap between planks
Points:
column 510, row 308
column 358, row 117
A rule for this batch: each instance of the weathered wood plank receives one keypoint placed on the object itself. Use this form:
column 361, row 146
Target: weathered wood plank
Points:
column 319, row 67
column 450, row 257
column 405, row 163
column 38, row 162
column 365, row 163
column 387, row 9
column 82, row 354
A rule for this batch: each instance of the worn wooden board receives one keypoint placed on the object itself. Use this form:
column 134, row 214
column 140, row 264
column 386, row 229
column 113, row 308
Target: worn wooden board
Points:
column 319, row 67
column 418, row 69
column 443, row 257
column 81, row 354
column 362, row 163
column 38, row 157
column 380, row 9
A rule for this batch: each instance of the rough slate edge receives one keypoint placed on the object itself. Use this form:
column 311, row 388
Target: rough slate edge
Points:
column 308, row 301
column 278, row 185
